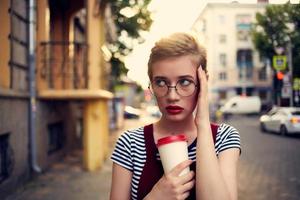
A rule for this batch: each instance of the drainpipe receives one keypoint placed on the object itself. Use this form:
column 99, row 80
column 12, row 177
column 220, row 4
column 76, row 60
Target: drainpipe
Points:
column 32, row 89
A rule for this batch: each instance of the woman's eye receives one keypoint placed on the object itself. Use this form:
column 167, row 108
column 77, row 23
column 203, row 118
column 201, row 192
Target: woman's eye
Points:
column 185, row 82
column 160, row 83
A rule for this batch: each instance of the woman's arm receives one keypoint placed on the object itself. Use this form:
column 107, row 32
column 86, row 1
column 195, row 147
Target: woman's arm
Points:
column 215, row 178
column 228, row 161
column 121, row 183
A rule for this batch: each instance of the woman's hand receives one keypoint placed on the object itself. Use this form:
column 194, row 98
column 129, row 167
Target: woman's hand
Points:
column 172, row 186
column 202, row 113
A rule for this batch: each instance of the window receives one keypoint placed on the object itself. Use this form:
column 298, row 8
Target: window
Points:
column 222, row 19
column 262, row 74
column 222, row 94
column 6, row 157
column 223, row 59
column 263, row 95
column 239, row 91
column 222, row 76
column 243, row 27
column 204, row 26
column 222, row 39
column 56, row 137
column 245, row 63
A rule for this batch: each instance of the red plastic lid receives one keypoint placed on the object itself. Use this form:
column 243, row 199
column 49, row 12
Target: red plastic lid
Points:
column 170, row 139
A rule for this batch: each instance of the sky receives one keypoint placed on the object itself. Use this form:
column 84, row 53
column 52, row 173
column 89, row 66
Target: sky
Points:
column 168, row 16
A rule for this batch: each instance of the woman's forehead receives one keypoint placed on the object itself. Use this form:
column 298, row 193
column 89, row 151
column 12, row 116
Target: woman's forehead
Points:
column 174, row 72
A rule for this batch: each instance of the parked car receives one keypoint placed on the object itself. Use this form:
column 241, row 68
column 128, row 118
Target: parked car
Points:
column 283, row 120
column 132, row 113
column 242, row 105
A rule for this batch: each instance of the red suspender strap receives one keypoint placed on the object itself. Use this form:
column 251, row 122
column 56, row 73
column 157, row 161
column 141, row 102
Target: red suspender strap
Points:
column 214, row 131
column 153, row 170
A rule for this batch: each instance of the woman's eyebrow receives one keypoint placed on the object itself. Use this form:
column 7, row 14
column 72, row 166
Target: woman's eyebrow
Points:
column 186, row 76
column 160, row 77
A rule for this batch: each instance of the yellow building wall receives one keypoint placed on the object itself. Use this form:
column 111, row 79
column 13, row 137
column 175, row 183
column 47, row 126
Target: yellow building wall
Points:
column 94, row 41
column 104, row 75
column 42, row 34
column 5, row 44
column 95, row 135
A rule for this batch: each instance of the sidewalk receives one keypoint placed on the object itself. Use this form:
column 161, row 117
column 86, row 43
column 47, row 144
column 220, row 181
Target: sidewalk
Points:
column 67, row 180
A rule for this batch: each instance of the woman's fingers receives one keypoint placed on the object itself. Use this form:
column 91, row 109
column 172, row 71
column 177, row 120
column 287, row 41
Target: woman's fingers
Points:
column 187, row 187
column 186, row 177
column 185, row 195
column 180, row 167
column 202, row 114
column 174, row 184
column 202, row 81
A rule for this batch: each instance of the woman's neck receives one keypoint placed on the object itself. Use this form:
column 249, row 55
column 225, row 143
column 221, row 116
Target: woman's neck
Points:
column 166, row 127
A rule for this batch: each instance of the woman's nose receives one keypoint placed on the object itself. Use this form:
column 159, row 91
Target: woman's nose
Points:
column 172, row 93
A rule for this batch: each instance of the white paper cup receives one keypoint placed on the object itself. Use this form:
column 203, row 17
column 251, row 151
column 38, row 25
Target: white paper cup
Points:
column 173, row 150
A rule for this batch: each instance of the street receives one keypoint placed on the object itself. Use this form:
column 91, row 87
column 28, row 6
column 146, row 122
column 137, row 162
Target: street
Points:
column 269, row 163
column 269, row 168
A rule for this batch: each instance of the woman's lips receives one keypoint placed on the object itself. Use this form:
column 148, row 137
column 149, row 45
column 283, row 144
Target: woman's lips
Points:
column 173, row 110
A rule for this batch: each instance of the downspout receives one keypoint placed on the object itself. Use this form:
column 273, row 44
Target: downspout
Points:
column 32, row 89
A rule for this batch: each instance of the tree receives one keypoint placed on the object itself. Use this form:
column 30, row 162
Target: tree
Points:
column 132, row 19
column 277, row 27
column 274, row 28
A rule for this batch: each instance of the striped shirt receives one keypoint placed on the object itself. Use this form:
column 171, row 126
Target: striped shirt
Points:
column 130, row 151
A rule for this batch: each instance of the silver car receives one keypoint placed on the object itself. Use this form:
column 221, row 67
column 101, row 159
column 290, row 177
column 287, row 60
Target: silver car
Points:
column 283, row 120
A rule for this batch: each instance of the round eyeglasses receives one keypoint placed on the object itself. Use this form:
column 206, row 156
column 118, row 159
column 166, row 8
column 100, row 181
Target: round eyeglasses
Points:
column 184, row 87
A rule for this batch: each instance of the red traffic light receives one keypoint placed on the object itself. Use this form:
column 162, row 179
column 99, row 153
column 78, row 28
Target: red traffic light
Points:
column 280, row 75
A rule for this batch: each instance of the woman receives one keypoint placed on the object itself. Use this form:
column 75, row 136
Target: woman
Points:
column 178, row 76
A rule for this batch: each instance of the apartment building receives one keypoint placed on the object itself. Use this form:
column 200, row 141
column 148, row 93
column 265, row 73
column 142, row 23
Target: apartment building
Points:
column 234, row 66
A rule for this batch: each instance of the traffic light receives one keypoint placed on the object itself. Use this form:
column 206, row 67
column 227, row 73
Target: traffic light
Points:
column 278, row 80
column 279, row 75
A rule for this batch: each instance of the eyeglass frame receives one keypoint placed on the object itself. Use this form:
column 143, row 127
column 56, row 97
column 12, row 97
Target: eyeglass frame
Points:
column 175, row 87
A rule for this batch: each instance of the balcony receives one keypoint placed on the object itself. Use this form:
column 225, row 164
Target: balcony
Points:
column 64, row 65
column 64, row 72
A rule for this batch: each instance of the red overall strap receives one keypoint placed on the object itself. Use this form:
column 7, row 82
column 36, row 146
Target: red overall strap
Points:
column 214, row 131
column 153, row 169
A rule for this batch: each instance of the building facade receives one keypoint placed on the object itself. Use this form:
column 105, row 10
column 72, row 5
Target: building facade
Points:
column 53, row 80
column 234, row 66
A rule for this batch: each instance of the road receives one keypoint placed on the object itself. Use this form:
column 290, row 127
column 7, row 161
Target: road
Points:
column 269, row 166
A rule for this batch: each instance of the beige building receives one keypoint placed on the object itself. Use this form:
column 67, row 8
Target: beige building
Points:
column 235, row 67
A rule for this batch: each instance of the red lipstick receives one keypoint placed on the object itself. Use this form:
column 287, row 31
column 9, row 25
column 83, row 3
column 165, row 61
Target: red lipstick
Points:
column 174, row 110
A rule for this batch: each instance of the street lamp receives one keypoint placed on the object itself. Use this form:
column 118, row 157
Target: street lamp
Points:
column 288, row 80
column 290, row 64
column 291, row 28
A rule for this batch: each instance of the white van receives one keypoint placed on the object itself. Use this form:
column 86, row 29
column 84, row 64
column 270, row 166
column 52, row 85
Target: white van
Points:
column 242, row 105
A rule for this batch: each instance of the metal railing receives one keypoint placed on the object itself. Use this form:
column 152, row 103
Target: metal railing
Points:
column 64, row 64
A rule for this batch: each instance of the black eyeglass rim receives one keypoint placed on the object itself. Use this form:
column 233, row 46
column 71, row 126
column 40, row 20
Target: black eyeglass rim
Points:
column 152, row 92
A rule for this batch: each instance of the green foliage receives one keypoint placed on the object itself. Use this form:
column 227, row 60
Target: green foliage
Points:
column 131, row 18
column 274, row 28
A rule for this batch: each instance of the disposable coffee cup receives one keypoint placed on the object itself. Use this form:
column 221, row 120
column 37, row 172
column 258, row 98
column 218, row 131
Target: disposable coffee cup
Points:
column 173, row 150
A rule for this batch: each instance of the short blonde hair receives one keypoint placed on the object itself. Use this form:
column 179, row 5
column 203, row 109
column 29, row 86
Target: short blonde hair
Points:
column 175, row 45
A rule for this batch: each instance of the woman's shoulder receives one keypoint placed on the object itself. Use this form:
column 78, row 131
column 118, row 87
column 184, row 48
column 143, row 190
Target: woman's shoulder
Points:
column 225, row 130
column 227, row 137
column 133, row 133
column 226, row 127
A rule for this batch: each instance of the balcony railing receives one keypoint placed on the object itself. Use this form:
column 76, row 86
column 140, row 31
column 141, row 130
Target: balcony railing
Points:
column 64, row 64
